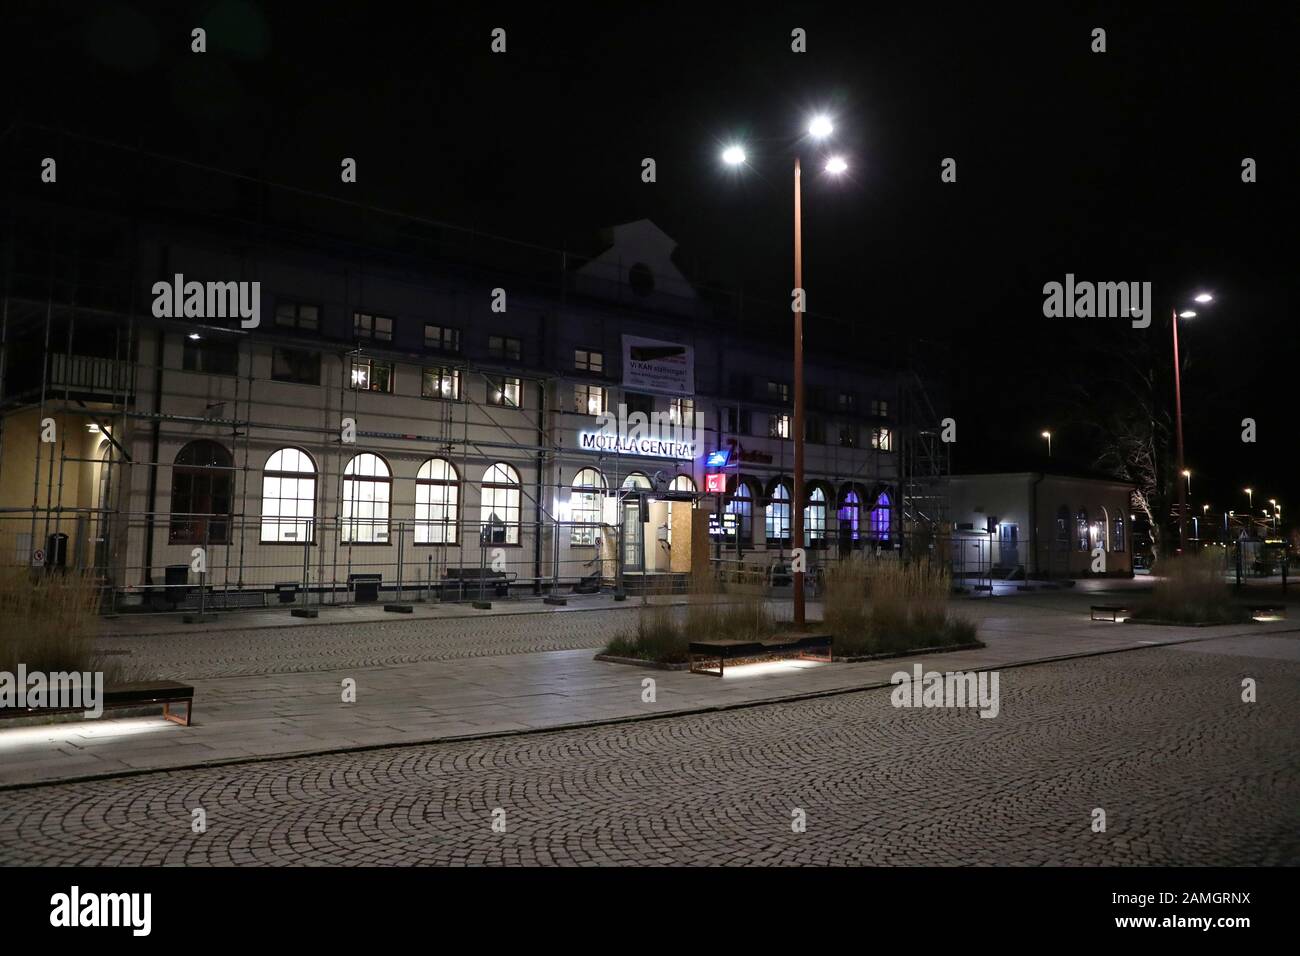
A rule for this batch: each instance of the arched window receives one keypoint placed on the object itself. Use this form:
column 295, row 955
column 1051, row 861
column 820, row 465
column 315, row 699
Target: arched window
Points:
column 499, row 504
column 742, row 506
column 1081, row 529
column 778, row 515
column 814, row 517
column 636, row 480
column 1099, row 530
column 881, row 517
column 850, row 515
column 682, row 483
column 367, row 492
column 585, row 506
column 437, row 503
column 288, row 497
column 202, row 478
column 1117, row 536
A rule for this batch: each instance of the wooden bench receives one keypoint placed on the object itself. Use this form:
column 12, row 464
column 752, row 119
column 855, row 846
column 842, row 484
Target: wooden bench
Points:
column 165, row 692
column 704, row 653
column 1266, row 611
column 1114, row 610
column 470, row 582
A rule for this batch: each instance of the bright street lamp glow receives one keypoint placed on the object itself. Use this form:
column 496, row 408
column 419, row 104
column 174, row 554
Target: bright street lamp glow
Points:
column 836, row 165
column 1189, row 314
column 1047, row 434
column 820, row 127
column 733, row 155
column 1205, row 297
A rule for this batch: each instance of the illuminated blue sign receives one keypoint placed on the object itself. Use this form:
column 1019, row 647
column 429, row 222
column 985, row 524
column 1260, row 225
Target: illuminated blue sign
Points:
column 719, row 458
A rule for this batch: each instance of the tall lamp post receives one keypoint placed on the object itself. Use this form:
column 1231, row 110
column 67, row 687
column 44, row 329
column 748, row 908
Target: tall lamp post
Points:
column 819, row 128
column 1203, row 298
column 1048, row 436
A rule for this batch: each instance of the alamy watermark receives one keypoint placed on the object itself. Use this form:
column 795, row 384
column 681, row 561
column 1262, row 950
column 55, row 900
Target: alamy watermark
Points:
column 179, row 299
column 1098, row 300
column 59, row 690
column 951, row 689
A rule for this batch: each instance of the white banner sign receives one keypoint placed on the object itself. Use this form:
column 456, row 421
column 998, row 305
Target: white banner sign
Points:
column 654, row 366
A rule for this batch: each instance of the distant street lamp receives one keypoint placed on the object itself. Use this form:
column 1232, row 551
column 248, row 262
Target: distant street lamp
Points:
column 819, row 127
column 1188, row 475
column 1250, row 498
column 1203, row 297
column 1048, row 436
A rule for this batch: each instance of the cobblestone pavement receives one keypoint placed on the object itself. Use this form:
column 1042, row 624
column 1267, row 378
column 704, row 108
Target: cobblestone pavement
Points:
column 331, row 647
column 1158, row 738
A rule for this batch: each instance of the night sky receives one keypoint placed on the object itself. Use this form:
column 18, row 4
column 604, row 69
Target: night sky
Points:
column 1121, row 166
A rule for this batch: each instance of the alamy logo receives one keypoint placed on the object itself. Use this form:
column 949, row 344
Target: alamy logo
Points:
column 179, row 299
column 59, row 690
column 1098, row 300
column 953, row 689
column 74, row 908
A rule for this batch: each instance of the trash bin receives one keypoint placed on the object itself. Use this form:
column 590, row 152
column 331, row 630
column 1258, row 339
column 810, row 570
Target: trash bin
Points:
column 56, row 550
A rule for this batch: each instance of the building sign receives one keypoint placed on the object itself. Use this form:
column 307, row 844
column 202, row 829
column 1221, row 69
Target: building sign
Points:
column 622, row 444
column 715, row 483
column 718, row 459
column 725, row 529
column 654, row 366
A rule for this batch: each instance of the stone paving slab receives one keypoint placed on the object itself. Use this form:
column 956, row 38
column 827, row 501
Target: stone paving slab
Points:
column 282, row 714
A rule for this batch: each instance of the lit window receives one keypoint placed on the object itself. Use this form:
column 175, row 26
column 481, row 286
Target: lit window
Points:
column 499, row 504
column 778, row 426
column 585, row 360
column 1117, row 538
column 742, row 506
column 849, row 516
column 814, row 516
column 1081, row 528
column 778, row 515
column 288, row 497
column 881, row 518
column 882, row 439
column 585, row 505
column 504, row 391
column 437, row 500
column 367, row 490
column 442, row 383
column 681, row 411
column 371, row 376
column 588, row 399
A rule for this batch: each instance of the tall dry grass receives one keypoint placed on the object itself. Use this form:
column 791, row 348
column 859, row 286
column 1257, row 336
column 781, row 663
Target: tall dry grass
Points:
column 874, row 607
column 49, row 622
column 1192, row 589
column 663, row 633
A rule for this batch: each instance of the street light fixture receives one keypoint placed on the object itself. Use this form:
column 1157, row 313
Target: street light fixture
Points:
column 1203, row 297
column 1188, row 475
column 819, row 127
column 1250, row 498
column 1048, row 436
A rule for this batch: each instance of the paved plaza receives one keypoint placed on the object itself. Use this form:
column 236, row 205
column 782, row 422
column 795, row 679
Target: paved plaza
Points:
column 459, row 715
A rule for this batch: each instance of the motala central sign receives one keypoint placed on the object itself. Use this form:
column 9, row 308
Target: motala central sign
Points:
column 614, row 443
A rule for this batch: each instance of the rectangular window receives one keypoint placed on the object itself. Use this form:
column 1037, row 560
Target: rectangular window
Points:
column 372, row 328
column 369, row 375
column 441, row 338
column 213, row 356
column 504, row 347
column 815, row 431
column 297, row 315
column 588, row 399
column 585, row 360
column 882, row 439
column 880, row 408
column 849, row 437
column 778, row 426
column 504, row 391
column 847, row 401
column 681, row 411
column 738, row 421
column 1117, row 538
column 778, row 392
column 636, row 402
column 295, row 365
column 440, row 382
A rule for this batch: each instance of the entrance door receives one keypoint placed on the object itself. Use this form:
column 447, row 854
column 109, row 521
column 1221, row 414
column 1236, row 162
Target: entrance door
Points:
column 633, row 537
column 1008, row 545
